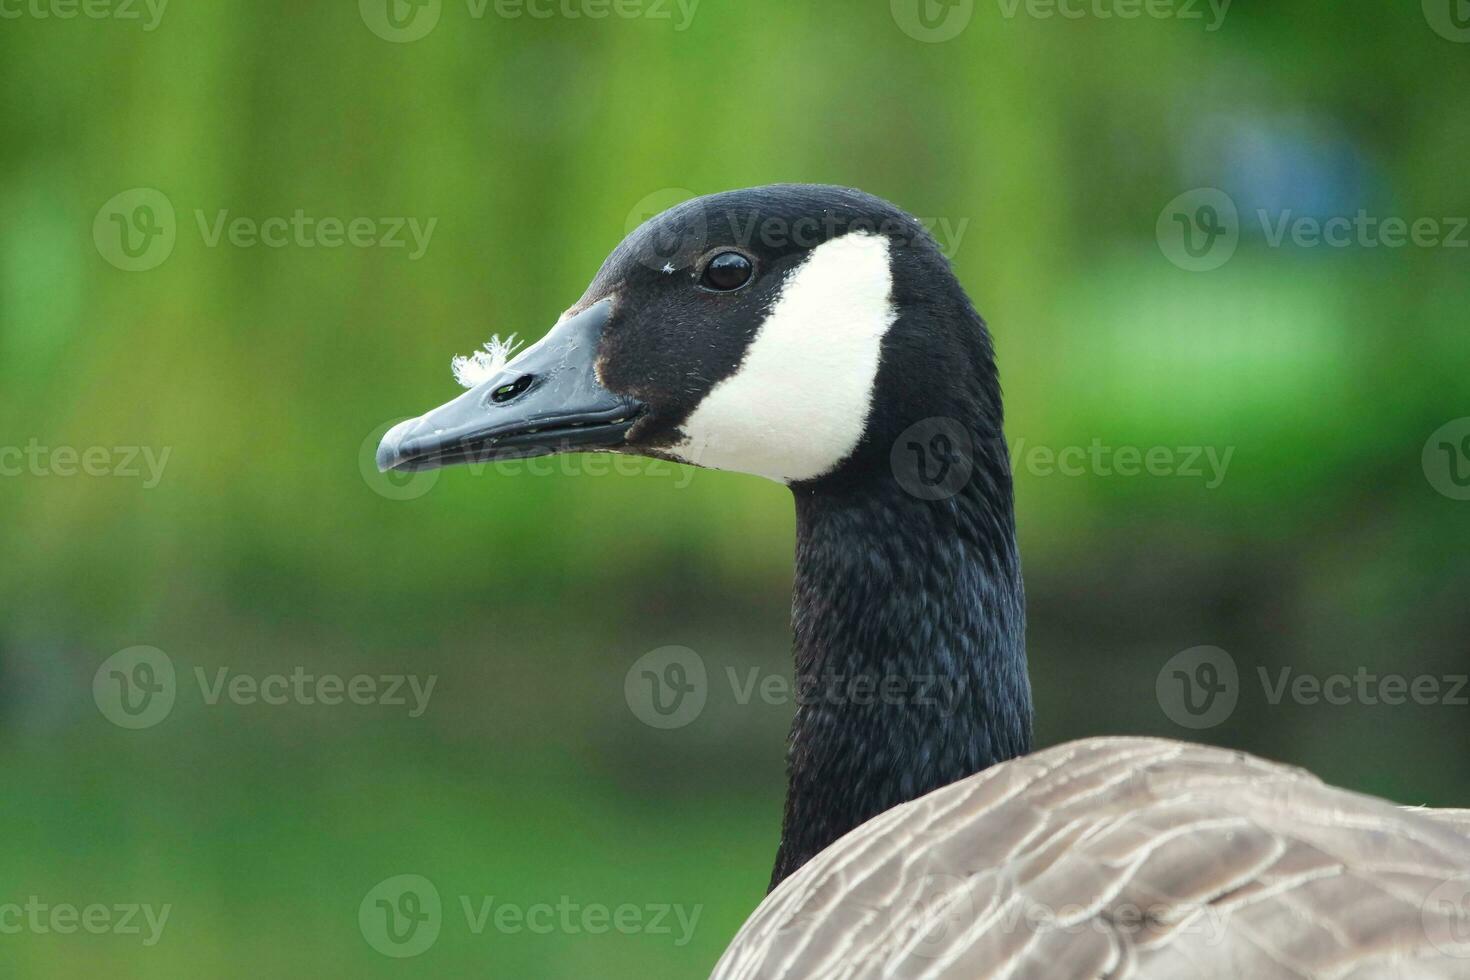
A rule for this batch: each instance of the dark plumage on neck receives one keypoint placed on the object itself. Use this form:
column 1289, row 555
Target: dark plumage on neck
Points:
column 918, row 601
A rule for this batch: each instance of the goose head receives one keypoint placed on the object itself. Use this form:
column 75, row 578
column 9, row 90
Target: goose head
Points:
column 817, row 337
column 792, row 332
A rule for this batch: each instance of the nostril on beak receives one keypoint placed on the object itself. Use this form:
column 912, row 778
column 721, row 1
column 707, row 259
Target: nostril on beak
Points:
column 512, row 389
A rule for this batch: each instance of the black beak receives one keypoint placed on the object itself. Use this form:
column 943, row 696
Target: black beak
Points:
column 546, row 400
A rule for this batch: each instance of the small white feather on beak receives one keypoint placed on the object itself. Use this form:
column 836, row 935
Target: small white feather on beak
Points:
column 484, row 364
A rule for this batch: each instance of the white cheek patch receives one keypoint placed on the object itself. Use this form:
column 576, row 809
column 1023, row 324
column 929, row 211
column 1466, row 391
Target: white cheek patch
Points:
column 798, row 404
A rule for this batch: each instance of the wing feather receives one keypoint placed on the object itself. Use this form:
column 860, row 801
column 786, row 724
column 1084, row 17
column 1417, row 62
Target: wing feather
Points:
column 1127, row 859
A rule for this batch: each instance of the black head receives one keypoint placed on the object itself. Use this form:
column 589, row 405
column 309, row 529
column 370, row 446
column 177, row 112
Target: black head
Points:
column 815, row 336
column 792, row 331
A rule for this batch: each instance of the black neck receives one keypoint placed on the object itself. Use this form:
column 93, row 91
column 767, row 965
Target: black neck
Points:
column 909, row 622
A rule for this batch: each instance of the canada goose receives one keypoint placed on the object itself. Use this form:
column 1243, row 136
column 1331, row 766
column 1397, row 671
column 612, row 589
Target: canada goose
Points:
column 816, row 336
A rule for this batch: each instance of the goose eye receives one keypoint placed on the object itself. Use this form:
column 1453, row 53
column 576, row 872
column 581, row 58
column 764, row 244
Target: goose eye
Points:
column 726, row 271
column 508, row 391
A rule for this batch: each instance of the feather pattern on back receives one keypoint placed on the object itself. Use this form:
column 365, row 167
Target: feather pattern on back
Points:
column 1126, row 858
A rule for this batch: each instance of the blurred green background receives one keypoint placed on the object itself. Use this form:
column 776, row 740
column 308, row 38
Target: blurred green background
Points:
column 1050, row 147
